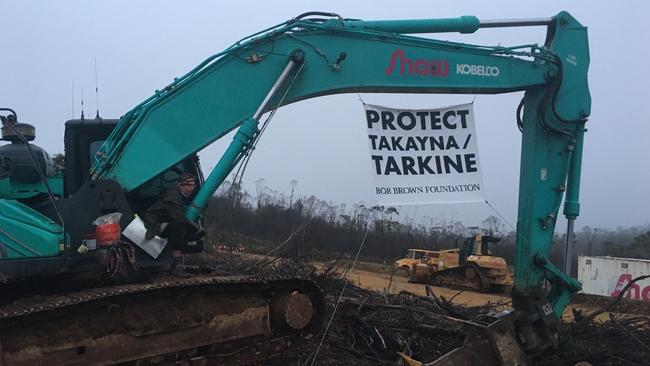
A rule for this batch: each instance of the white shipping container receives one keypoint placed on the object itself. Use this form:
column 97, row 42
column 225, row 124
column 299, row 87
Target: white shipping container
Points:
column 607, row 276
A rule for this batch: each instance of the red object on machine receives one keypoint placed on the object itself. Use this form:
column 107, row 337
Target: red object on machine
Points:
column 108, row 234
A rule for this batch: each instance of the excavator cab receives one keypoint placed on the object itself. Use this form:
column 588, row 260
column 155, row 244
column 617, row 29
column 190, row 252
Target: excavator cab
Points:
column 83, row 138
column 71, row 194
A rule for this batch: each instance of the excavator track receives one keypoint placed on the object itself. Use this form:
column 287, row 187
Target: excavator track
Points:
column 203, row 320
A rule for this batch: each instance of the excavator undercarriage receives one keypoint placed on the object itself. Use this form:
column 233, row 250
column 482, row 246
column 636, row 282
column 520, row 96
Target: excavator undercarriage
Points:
column 218, row 318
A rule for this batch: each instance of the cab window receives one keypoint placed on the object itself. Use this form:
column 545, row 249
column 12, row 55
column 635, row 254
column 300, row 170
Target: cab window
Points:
column 94, row 147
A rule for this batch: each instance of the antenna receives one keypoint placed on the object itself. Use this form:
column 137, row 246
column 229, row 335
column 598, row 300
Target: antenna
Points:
column 72, row 95
column 96, row 90
column 82, row 103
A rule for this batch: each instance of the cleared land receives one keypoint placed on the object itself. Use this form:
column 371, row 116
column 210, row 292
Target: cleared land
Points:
column 380, row 316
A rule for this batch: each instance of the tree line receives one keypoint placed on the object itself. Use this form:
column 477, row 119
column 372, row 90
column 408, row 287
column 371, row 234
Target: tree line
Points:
column 321, row 230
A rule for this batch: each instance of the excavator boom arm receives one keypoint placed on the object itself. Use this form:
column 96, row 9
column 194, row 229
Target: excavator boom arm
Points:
column 222, row 92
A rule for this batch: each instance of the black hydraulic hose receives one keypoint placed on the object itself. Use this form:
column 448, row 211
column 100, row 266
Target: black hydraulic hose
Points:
column 520, row 122
column 316, row 13
column 558, row 80
column 541, row 115
column 38, row 169
column 12, row 112
column 554, row 89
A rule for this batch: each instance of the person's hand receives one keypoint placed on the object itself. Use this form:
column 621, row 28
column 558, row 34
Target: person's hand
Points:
column 198, row 229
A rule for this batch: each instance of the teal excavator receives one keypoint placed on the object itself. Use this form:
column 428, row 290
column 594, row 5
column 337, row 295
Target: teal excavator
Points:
column 111, row 166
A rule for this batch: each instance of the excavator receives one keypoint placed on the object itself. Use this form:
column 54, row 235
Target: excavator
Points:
column 474, row 266
column 46, row 220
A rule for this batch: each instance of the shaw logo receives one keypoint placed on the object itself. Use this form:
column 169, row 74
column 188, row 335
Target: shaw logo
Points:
column 433, row 68
column 478, row 70
column 635, row 292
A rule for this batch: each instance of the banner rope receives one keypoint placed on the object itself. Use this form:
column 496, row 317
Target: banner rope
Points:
column 338, row 301
column 361, row 99
column 500, row 215
column 239, row 174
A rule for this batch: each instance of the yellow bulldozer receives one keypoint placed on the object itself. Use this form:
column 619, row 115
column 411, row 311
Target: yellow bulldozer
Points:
column 440, row 258
column 473, row 266
column 412, row 258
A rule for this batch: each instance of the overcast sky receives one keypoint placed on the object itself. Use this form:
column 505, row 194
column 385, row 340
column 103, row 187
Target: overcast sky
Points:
column 142, row 45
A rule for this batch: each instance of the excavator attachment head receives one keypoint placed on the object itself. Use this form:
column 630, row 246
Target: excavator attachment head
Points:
column 492, row 345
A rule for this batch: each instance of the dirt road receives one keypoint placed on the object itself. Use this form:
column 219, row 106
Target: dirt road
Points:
column 377, row 277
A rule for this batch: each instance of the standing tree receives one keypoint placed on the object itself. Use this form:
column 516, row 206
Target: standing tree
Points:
column 391, row 211
column 492, row 225
column 59, row 161
column 293, row 185
column 259, row 190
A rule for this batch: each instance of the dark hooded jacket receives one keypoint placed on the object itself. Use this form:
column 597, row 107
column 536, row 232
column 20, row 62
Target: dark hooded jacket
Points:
column 169, row 208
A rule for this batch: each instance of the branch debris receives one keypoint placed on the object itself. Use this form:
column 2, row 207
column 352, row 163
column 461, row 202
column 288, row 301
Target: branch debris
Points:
column 371, row 327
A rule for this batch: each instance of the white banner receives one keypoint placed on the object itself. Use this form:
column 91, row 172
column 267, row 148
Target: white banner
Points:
column 423, row 156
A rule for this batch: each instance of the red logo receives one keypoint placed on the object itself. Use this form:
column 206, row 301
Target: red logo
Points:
column 433, row 68
column 635, row 291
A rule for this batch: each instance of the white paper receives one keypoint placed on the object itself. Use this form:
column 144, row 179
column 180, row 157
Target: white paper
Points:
column 136, row 232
